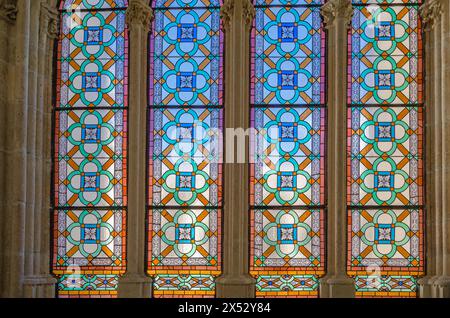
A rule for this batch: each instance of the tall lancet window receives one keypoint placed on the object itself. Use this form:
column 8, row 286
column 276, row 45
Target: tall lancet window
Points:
column 185, row 148
column 385, row 148
column 288, row 111
column 90, row 148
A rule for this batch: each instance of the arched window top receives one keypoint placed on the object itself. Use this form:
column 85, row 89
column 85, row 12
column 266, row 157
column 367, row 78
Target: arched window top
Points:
column 172, row 4
column 287, row 2
column 92, row 4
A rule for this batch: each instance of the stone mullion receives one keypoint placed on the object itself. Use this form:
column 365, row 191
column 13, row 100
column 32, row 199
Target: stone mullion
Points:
column 433, row 154
column 39, row 282
column 235, row 282
column 49, row 34
column 135, row 283
column 435, row 17
column 337, row 17
column 435, row 206
column 13, row 236
column 444, row 281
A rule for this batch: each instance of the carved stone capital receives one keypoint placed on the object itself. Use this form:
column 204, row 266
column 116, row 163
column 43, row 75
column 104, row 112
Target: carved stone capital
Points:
column 226, row 13
column 228, row 9
column 249, row 12
column 8, row 10
column 49, row 21
column 139, row 14
column 336, row 9
column 430, row 12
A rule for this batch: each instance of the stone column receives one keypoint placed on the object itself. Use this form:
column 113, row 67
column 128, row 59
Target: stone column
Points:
column 443, row 29
column 14, row 179
column 337, row 18
column 5, row 23
column 235, row 282
column 38, row 281
column 430, row 13
column 135, row 283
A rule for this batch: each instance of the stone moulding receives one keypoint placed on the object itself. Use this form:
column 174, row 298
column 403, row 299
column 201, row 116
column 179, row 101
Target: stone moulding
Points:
column 139, row 13
column 49, row 21
column 430, row 12
column 8, row 10
column 337, row 9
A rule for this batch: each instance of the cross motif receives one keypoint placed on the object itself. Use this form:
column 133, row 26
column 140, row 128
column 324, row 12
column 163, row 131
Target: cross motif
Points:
column 286, row 234
column 185, row 181
column 93, row 35
column 287, row 132
column 90, row 181
column 187, row 33
column 184, row 233
column 185, row 133
column 384, row 132
column 287, row 80
column 384, row 181
column 384, row 80
column 287, row 181
column 91, row 133
column 287, row 32
column 90, row 234
column 384, row 234
column 384, row 31
column 186, row 81
column 91, row 82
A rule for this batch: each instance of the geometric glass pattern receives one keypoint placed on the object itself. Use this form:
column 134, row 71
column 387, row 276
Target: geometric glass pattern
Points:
column 385, row 149
column 288, row 115
column 392, row 286
column 185, row 148
column 90, row 149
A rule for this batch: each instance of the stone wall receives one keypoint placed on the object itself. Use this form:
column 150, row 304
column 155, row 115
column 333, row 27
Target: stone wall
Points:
column 28, row 29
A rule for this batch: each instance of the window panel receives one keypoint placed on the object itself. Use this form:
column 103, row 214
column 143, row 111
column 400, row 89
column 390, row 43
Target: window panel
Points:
column 182, row 232
column 289, row 156
column 287, row 148
column 94, row 239
column 288, row 55
column 386, row 56
column 386, row 156
column 92, row 65
column 385, row 149
column 287, row 237
column 386, row 238
column 91, row 157
column 185, row 157
column 196, row 81
column 90, row 149
column 185, row 148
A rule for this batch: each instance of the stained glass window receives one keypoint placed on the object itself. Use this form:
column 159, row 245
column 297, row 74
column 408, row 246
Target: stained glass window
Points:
column 185, row 148
column 288, row 108
column 90, row 149
column 385, row 148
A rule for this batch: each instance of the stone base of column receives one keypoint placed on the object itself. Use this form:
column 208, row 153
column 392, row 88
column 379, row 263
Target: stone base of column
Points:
column 426, row 288
column 443, row 287
column 337, row 287
column 39, row 286
column 235, row 287
column 135, row 286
